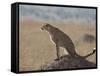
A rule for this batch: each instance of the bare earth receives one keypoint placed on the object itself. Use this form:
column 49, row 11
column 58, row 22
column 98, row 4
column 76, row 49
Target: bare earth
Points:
column 36, row 49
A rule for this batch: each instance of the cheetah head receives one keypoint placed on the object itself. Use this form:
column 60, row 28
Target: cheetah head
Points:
column 46, row 27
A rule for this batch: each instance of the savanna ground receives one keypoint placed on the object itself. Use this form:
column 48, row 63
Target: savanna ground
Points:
column 37, row 50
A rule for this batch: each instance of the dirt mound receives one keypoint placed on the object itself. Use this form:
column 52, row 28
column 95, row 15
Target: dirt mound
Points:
column 67, row 62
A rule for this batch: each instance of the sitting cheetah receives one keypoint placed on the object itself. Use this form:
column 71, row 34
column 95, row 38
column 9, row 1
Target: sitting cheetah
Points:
column 62, row 40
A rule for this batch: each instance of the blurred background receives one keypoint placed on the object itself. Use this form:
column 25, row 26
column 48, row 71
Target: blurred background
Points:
column 47, row 13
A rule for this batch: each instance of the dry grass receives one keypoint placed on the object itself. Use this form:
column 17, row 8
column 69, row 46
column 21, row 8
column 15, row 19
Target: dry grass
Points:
column 36, row 49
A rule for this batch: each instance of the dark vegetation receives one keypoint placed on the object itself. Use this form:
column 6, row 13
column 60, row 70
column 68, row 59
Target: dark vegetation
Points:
column 88, row 38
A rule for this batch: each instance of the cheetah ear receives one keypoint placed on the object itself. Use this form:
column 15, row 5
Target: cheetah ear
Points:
column 45, row 23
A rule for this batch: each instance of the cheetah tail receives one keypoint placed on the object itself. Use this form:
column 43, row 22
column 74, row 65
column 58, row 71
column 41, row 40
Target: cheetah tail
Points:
column 90, row 54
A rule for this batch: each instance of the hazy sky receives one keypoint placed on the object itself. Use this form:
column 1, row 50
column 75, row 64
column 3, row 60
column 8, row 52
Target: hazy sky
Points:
column 49, row 13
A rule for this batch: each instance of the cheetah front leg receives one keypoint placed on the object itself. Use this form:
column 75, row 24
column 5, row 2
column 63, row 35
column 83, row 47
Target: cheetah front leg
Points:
column 57, row 52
